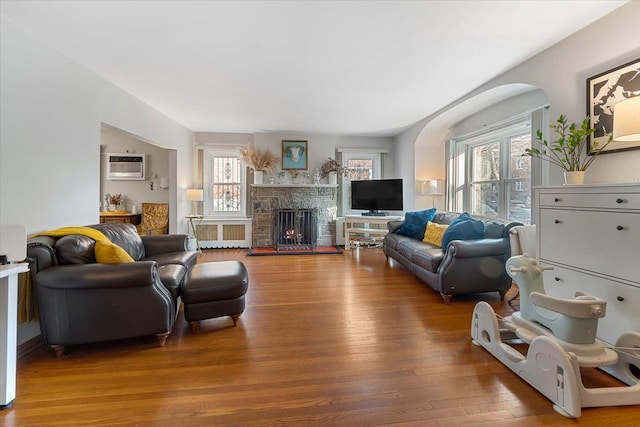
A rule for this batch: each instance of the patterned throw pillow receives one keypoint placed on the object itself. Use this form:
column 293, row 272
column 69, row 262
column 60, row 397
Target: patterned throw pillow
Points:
column 415, row 223
column 433, row 234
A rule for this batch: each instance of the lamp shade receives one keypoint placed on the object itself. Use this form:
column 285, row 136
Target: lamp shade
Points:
column 626, row 120
column 433, row 187
column 195, row 195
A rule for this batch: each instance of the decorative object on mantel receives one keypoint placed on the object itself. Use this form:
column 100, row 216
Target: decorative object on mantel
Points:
column 259, row 161
column 295, row 174
column 604, row 92
column 115, row 202
column 568, row 150
column 331, row 168
column 294, row 155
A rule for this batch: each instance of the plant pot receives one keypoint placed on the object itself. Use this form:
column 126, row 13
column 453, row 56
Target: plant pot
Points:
column 333, row 178
column 257, row 177
column 574, row 177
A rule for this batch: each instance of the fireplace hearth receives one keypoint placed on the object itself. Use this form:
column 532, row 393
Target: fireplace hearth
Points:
column 295, row 230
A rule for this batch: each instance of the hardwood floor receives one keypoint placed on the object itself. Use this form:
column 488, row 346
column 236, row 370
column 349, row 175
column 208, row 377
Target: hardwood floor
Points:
column 339, row 340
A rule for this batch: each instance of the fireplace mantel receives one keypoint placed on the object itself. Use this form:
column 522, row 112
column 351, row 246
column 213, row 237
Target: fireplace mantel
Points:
column 296, row 185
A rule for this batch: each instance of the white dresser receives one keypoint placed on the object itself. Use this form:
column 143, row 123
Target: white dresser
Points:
column 590, row 235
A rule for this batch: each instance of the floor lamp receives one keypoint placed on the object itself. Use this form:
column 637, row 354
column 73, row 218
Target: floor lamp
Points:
column 195, row 195
column 433, row 188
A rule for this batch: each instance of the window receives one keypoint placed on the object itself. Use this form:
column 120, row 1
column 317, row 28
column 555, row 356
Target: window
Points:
column 224, row 183
column 361, row 165
column 494, row 179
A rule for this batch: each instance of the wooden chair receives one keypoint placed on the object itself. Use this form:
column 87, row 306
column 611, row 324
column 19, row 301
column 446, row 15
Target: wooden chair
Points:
column 155, row 219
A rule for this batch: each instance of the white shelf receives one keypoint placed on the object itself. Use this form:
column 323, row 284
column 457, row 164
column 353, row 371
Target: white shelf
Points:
column 366, row 220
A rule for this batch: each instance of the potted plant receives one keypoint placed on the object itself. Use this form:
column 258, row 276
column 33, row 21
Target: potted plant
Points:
column 259, row 161
column 331, row 168
column 568, row 151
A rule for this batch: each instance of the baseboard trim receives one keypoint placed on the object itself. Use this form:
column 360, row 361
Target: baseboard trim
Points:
column 29, row 346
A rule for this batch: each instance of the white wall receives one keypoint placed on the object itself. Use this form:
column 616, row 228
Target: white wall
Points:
column 51, row 114
column 51, row 111
column 320, row 147
column 560, row 72
column 134, row 192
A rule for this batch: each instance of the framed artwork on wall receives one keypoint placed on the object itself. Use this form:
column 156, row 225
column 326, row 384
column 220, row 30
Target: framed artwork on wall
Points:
column 603, row 92
column 294, row 155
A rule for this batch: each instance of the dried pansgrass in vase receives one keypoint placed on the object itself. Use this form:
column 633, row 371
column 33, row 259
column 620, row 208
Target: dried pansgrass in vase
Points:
column 259, row 160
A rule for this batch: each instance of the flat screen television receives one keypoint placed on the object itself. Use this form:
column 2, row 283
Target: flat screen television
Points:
column 376, row 196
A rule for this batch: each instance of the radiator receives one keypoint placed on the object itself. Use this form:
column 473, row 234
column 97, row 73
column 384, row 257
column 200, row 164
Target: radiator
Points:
column 223, row 233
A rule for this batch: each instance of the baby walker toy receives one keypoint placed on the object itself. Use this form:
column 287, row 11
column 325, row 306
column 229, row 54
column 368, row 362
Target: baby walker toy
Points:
column 561, row 334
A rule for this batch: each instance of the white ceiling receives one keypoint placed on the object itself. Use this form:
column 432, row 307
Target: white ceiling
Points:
column 336, row 67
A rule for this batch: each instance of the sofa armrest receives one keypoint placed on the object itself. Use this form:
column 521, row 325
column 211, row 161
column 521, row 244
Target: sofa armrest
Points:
column 99, row 276
column 162, row 244
column 470, row 266
column 394, row 226
column 477, row 248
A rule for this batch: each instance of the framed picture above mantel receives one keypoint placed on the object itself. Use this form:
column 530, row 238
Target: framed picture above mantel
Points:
column 294, row 155
column 603, row 92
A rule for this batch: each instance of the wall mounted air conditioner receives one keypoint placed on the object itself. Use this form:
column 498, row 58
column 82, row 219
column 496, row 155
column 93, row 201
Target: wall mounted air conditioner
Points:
column 125, row 166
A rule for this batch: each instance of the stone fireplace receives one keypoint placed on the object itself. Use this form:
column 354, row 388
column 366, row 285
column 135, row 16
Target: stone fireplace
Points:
column 268, row 199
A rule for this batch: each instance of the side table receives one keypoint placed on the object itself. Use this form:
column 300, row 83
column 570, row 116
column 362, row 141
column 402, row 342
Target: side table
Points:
column 190, row 218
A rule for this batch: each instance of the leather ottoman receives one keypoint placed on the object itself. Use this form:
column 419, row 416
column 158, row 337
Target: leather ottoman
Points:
column 214, row 289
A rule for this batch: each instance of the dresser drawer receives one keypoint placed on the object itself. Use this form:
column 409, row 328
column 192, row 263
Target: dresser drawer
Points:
column 622, row 300
column 626, row 201
column 597, row 241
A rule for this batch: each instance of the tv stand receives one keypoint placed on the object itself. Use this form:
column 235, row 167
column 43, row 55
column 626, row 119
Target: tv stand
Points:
column 375, row 213
column 362, row 225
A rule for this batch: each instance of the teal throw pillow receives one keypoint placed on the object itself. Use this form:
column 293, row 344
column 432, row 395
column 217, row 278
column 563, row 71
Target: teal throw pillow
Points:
column 463, row 230
column 462, row 217
column 415, row 223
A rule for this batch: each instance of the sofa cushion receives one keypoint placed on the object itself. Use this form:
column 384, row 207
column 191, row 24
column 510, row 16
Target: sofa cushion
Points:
column 185, row 258
column 429, row 258
column 493, row 230
column 434, row 232
column 75, row 249
column 415, row 223
column 463, row 230
column 172, row 277
column 124, row 235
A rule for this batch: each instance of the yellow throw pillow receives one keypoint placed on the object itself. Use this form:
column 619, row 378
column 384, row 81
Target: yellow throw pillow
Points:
column 433, row 233
column 108, row 253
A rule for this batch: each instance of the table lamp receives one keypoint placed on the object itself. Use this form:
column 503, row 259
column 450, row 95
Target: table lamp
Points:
column 433, row 188
column 195, row 195
column 626, row 120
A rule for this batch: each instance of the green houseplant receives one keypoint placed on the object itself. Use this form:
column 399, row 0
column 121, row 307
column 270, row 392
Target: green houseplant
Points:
column 569, row 150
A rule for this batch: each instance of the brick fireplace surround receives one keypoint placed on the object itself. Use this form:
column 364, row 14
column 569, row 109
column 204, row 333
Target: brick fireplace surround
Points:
column 266, row 198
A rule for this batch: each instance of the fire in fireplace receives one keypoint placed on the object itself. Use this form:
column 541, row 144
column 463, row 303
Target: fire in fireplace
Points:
column 295, row 229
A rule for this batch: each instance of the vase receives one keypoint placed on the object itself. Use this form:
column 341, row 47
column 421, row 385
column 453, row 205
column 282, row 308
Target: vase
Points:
column 257, row 177
column 574, row 177
column 333, row 178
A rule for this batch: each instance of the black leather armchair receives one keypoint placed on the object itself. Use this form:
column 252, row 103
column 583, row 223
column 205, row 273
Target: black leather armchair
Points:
column 81, row 301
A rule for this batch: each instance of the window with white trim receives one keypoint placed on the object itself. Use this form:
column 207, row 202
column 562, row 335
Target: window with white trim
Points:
column 360, row 165
column 493, row 178
column 224, row 181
